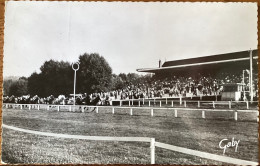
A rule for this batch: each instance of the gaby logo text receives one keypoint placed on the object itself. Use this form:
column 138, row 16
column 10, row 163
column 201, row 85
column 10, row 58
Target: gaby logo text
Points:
column 224, row 144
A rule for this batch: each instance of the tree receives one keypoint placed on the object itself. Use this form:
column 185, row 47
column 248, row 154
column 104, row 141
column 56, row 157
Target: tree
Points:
column 117, row 82
column 94, row 74
column 19, row 88
column 55, row 78
column 6, row 87
column 35, row 84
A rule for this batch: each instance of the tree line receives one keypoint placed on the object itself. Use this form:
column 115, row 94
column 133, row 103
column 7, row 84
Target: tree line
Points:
column 56, row 77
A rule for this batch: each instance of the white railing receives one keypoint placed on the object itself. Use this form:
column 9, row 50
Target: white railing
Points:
column 181, row 102
column 167, row 102
column 82, row 107
column 152, row 142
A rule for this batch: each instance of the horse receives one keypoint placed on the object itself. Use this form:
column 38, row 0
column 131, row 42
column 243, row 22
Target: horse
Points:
column 95, row 102
column 59, row 100
column 12, row 99
column 34, row 100
column 50, row 99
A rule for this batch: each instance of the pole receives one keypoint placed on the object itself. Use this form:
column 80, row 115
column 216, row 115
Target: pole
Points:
column 244, row 93
column 203, row 114
column 152, row 153
column 74, row 87
column 175, row 113
column 75, row 70
column 251, row 76
column 235, row 115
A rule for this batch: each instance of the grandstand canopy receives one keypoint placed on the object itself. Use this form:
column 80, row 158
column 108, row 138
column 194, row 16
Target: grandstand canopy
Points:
column 228, row 62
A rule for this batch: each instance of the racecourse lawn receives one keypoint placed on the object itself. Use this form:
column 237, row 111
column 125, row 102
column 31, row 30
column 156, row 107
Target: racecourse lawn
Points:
column 188, row 130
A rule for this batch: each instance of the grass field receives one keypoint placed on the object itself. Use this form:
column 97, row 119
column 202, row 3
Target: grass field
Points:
column 189, row 130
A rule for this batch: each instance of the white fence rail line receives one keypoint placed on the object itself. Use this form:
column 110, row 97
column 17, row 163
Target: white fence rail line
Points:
column 141, row 102
column 205, row 155
column 118, row 107
column 90, row 106
column 30, row 106
column 153, row 144
column 93, row 138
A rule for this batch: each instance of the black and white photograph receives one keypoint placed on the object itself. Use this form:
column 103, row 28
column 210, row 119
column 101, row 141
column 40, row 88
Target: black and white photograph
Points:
column 130, row 83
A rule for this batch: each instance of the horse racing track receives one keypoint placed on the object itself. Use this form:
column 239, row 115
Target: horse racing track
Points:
column 188, row 130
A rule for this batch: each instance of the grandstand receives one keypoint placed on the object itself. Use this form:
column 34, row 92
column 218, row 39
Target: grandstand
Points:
column 214, row 64
column 229, row 66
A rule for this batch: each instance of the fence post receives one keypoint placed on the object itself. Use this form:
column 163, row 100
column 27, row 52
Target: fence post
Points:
column 129, row 102
column 180, row 100
column 213, row 104
column 139, row 103
column 247, row 105
column 257, row 117
column 152, row 147
column 166, row 101
column 113, row 110
column 21, row 106
column 58, row 107
column 143, row 101
column 229, row 103
column 235, row 115
column 29, row 106
column 131, row 111
column 198, row 103
column 160, row 103
column 82, row 109
column 38, row 107
column 97, row 110
column 149, row 103
column 153, row 101
column 132, row 101
column 175, row 113
column 151, row 112
column 172, row 103
column 70, row 108
column 120, row 103
column 185, row 104
column 203, row 114
column 48, row 107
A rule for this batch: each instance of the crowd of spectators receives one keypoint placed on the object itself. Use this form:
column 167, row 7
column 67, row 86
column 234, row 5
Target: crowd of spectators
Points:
column 178, row 86
column 172, row 86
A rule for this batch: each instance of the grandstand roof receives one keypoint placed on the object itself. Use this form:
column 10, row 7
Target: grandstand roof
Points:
column 220, row 61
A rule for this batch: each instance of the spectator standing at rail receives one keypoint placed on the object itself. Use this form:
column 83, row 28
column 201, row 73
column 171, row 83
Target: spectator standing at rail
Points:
column 107, row 100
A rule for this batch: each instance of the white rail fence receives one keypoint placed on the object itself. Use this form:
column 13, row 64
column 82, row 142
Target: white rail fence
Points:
column 181, row 102
column 131, row 109
column 169, row 102
column 152, row 142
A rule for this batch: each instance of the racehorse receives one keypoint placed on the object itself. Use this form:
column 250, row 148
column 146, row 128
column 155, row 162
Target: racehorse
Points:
column 95, row 102
column 59, row 100
column 34, row 100
column 50, row 99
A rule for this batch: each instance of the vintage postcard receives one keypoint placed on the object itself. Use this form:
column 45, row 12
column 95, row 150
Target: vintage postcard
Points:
column 130, row 83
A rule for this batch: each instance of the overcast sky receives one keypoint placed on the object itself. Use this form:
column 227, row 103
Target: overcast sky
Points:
column 129, row 35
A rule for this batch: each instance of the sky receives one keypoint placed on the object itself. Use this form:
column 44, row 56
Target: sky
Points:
column 129, row 35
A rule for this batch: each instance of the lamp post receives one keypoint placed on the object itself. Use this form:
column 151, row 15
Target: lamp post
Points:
column 75, row 67
column 244, row 82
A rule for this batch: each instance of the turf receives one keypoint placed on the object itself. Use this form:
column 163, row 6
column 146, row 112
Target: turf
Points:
column 189, row 130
